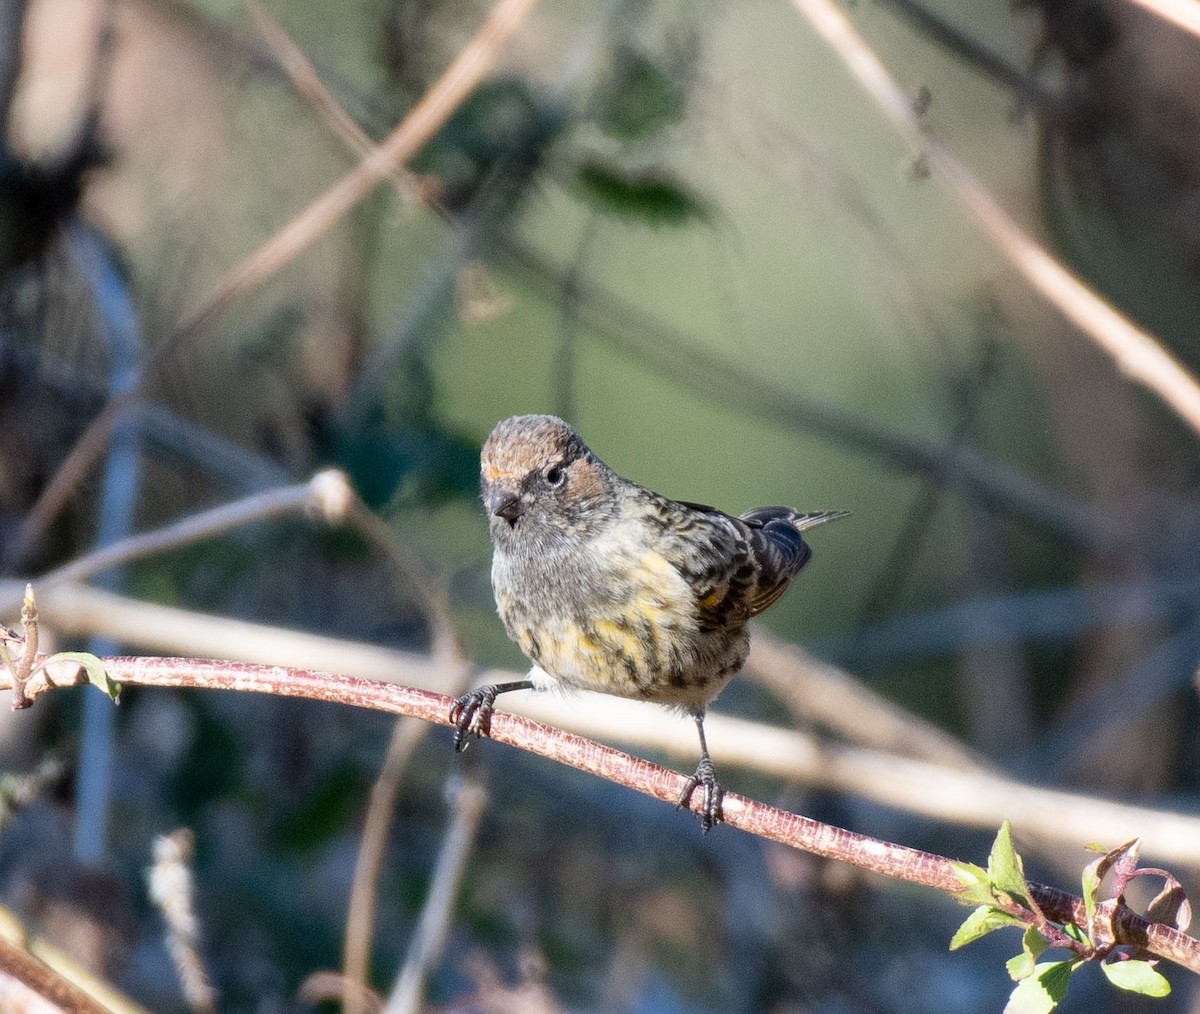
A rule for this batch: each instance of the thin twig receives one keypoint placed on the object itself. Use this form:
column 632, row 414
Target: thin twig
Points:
column 19, row 935
column 895, row 861
column 1023, row 84
column 816, row 691
column 309, row 496
column 407, row 734
column 79, row 610
column 1136, row 353
column 449, row 658
column 469, row 801
column 304, row 77
column 421, row 123
column 648, row 341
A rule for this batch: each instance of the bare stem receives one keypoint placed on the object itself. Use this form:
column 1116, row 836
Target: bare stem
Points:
column 194, row 528
column 360, row 912
column 469, row 801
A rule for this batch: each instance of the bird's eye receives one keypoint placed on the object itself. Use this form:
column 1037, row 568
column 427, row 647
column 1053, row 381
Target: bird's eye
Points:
column 555, row 475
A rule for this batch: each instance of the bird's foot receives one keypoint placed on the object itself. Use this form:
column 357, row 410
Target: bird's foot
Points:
column 710, row 807
column 471, row 715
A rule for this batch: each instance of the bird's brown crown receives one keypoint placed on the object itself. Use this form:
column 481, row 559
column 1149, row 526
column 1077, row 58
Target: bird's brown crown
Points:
column 525, row 443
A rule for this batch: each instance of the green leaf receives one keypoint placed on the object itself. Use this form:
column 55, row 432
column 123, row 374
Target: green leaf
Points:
column 1005, row 867
column 1032, row 945
column 1020, row 967
column 1076, row 934
column 97, row 675
column 639, row 100
column 1091, row 889
column 653, row 198
column 980, row 923
column 1042, row 991
column 1136, row 977
column 977, row 885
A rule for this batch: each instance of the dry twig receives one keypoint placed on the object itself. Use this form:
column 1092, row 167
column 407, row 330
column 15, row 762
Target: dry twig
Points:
column 421, row 123
column 172, row 890
column 46, row 983
column 468, row 803
column 1136, row 353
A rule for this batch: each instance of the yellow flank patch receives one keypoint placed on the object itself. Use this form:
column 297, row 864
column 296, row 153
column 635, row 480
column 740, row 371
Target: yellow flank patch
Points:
column 618, row 641
column 592, row 659
column 656, row 580
column 656, row 564
column 650, row 607
column 608, row 631
column 525, row 641
column 711, row 599
column 619, row 652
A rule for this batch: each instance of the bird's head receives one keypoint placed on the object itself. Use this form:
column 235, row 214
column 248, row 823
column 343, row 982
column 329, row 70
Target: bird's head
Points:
column 536, row 472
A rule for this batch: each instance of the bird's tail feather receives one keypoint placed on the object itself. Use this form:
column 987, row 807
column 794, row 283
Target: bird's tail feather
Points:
column 803, row 521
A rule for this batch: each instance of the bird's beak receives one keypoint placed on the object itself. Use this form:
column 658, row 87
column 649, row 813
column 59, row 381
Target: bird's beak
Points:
column 503, row 503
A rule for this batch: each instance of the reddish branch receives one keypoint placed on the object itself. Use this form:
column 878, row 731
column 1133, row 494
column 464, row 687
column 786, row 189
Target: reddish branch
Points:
column 46, row 982
column 897, row 861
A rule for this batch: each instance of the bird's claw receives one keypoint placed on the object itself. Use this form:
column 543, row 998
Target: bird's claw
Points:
column 471, row 715
column 710, row 806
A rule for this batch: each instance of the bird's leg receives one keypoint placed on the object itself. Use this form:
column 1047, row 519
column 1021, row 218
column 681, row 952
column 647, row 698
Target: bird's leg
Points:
column 471, row 714
column 706, row 775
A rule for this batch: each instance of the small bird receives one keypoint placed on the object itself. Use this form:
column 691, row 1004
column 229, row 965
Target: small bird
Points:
column 608, row 586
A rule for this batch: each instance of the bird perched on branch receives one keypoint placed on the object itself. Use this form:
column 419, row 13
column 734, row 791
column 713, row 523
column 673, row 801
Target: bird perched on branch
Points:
column 608, row 586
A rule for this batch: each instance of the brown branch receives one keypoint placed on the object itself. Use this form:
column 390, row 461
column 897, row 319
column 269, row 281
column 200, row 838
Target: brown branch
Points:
column 360, row 911
column 422, row 122
column 305, row 79
column 46, row 982
column 327, row 493
column 19, row 936
column 804, row 833
column 1137, row 353
column 816, row 691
